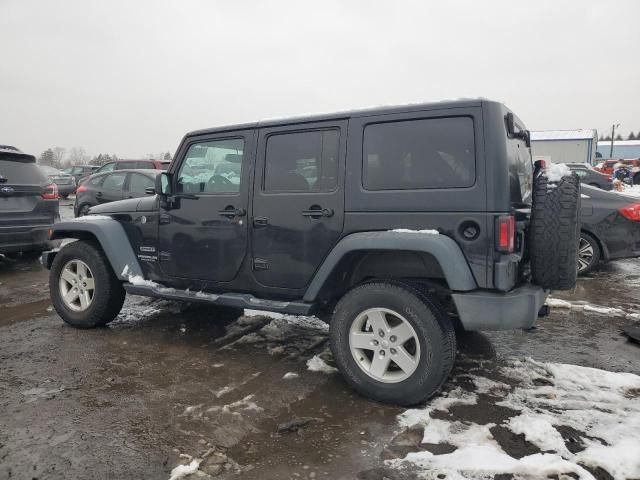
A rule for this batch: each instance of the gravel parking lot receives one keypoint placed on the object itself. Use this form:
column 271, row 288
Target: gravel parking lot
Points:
column 168, row 385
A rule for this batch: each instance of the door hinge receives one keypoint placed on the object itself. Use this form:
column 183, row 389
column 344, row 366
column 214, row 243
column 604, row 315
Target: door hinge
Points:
column 260, row 264
column 165, row 256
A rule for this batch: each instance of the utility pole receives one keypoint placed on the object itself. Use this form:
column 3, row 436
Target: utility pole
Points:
column 613, row 133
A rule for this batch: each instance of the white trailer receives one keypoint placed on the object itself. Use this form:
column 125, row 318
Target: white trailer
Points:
column 565, row 146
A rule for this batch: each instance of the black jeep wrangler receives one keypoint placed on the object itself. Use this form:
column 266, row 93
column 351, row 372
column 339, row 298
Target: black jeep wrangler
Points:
column 394, row 224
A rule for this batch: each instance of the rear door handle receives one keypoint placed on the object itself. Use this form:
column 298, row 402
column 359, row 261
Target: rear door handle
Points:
column 315, row 211
column 231, row 211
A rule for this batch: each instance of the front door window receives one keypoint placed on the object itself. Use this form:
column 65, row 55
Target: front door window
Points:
column 212, row 167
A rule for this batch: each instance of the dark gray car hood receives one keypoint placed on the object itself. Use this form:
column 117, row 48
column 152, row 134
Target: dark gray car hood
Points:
column 144, row 204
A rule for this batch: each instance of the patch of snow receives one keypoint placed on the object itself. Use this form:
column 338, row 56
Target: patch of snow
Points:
column 182, row 471
column 290, row 375
column 125, row 271
column 630, row 190
column 90, row 218
column 140, row 280
column 406, row 230
column 603, row 405
column 242, row 404
column 589, row 308
column 557, row 303
column 316, row 364
column 556, row 171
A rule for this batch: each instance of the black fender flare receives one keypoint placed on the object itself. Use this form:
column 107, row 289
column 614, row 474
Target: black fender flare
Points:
column 111, row 236
column 444, row 249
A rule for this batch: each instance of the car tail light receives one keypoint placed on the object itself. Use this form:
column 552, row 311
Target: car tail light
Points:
column 632, row 212
column 506, row 232
column 81, row 188
column 50, row 192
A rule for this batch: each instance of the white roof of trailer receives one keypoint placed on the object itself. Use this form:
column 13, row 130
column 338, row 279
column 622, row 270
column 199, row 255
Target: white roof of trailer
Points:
column 620, row 143
column 583, row 134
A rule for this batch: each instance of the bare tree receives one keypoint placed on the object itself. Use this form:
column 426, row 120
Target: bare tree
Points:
column 77, row 156
column 58, row 156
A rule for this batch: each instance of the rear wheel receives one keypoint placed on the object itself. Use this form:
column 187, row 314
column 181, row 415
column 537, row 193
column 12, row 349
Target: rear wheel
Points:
column 392, row 343
column 84, row 289
column 588, row 253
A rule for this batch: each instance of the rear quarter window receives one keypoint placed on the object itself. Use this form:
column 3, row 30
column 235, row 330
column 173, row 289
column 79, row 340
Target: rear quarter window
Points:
column 416, row 154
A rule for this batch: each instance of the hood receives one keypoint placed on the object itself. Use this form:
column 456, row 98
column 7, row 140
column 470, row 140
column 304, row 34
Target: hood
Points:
column 144, row 204
column 119, row 206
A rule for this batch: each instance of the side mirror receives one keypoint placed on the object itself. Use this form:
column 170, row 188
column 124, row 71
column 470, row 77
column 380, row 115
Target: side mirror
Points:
column 163, row 184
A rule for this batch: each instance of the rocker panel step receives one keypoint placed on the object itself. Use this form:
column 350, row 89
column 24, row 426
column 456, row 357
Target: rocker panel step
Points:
column 240, row 300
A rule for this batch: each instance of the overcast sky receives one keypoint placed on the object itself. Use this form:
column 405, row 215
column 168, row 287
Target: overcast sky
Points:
column 131, row 77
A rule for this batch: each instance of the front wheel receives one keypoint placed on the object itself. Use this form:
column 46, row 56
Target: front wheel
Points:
column 84, row 289
column 392, row 342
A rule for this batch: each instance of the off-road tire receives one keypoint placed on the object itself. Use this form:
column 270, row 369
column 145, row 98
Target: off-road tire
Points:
column 554, row 232
column 596, row 252
column 431, row 324
column 109, row 294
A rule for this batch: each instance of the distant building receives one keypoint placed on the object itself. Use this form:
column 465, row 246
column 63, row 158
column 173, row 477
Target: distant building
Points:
column 565, row 146
column 621, row 149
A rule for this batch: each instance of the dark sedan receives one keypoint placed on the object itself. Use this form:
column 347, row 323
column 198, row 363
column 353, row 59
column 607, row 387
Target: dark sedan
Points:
column 590, row 176
column 66, row 183
column 111, row 186
column 610, row 227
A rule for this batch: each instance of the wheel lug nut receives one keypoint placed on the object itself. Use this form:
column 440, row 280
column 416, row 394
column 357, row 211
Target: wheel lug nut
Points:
column 381, row 333
column 393, row 351
column 392, row 338
column 375, row 343
column 382, row 353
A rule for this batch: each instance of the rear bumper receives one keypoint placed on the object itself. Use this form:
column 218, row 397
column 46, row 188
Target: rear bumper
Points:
column 486, row 310
column 25, row 238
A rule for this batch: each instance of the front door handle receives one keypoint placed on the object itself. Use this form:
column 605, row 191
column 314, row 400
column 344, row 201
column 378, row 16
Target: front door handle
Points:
column 316, row 211
column 230, row 211
column 99, row 194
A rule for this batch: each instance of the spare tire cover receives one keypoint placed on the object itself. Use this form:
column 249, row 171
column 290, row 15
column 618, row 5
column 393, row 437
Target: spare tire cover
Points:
column 554, row 231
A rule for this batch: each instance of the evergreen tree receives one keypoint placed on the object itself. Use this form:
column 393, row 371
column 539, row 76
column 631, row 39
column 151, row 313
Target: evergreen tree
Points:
column 618, row 137
column 167, row 156
column 632, row 136
column 47, row 157
column 607, row 138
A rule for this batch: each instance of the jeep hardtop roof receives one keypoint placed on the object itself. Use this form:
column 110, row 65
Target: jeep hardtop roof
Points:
column 381, row 110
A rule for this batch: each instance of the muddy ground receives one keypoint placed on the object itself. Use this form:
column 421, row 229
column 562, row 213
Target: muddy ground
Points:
column 167, row 382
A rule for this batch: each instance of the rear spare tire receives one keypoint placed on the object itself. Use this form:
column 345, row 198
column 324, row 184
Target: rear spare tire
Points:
column 554, row 231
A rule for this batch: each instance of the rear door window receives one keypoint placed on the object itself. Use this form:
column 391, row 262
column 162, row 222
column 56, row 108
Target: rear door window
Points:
column 125, row 165
column 419, row 154
column 114, row 182
column 139, row 183
column 143, row 165
column 302, row 161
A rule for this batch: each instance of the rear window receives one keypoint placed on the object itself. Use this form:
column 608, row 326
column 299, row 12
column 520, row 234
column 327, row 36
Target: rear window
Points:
column 419, row 154
column 17, row 172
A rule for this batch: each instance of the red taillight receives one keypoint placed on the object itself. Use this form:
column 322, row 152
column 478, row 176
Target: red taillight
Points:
column 506, row 233
column 50, row 192
column 81, row 188
column 632, row 212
